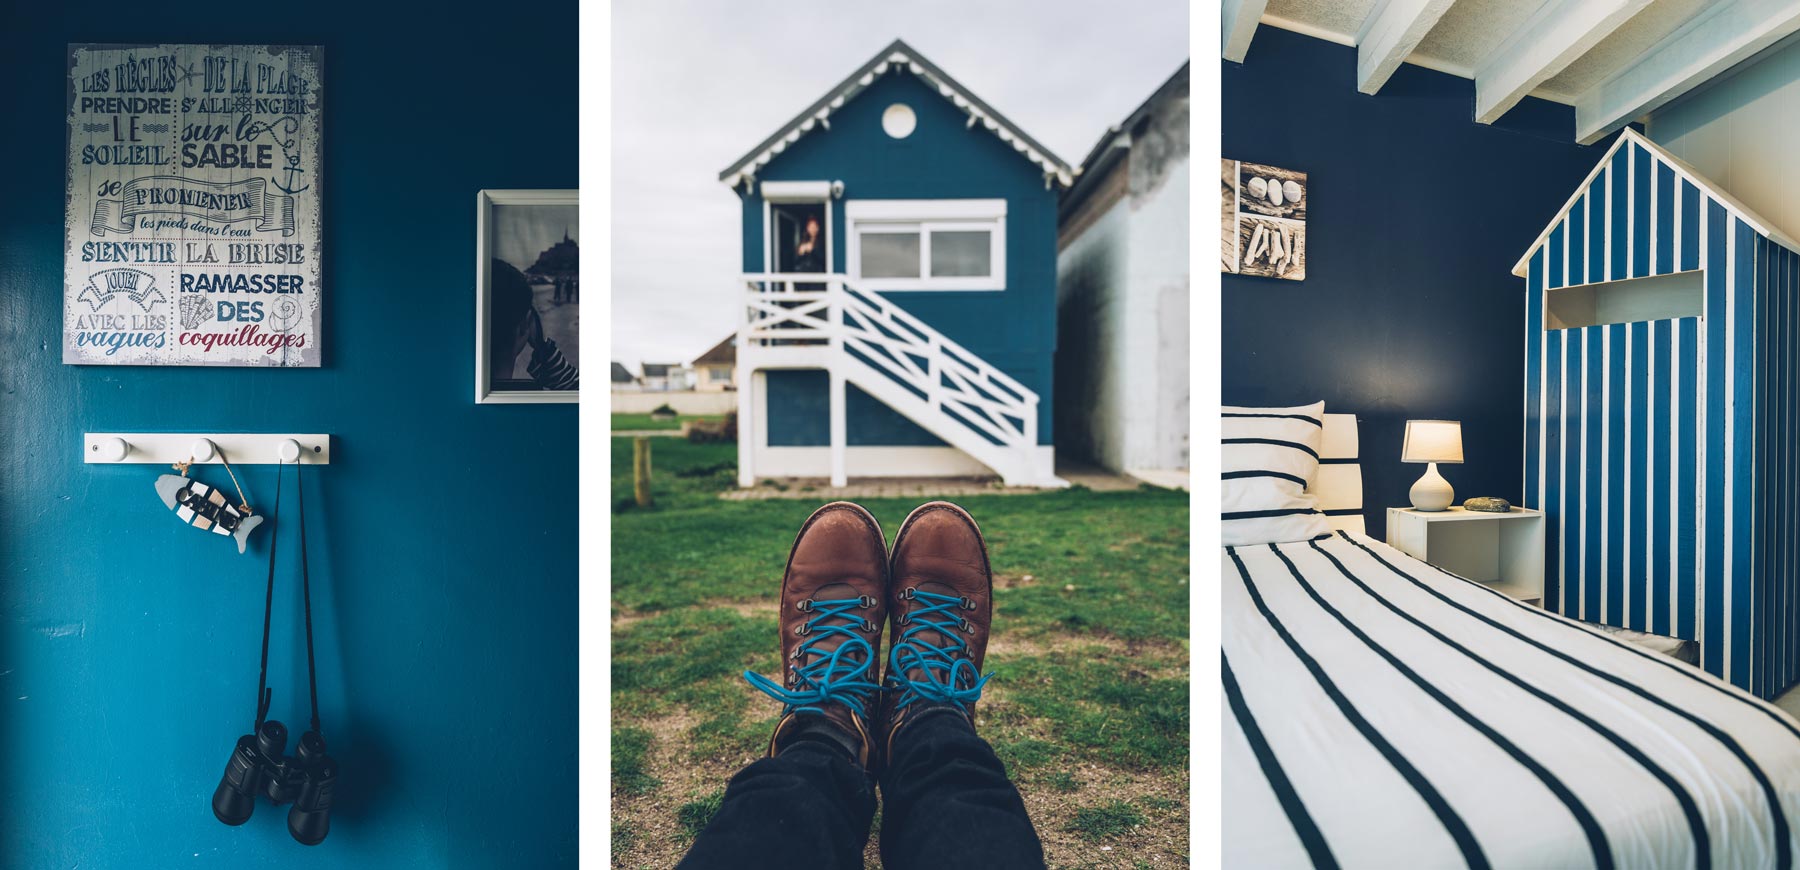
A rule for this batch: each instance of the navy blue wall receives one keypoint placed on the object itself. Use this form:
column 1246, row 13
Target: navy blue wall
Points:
column 1014, row 329
column 1416, row 217
column 443, row 534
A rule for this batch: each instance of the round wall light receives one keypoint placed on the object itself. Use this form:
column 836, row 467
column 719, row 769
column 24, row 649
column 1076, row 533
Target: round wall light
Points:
column 899, row 120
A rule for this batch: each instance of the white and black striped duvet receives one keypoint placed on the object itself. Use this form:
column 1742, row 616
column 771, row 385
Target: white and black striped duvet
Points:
column 1381, row 713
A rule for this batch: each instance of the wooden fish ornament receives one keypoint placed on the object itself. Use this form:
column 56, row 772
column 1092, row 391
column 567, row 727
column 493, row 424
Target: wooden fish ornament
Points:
column 206, row 508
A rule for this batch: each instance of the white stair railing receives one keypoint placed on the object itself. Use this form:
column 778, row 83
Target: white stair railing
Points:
column 920, row 371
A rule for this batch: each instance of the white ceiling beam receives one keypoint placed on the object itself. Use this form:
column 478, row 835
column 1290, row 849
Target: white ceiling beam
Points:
column 1390, row 33
column 1551, row 39
column 1714, row 41
column 1241, row 17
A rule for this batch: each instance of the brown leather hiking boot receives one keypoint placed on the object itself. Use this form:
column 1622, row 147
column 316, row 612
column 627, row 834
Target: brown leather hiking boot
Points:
column 833, row 610
column 941, row 599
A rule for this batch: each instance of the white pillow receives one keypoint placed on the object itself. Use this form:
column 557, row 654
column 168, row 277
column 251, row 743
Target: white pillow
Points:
column 1270, row 456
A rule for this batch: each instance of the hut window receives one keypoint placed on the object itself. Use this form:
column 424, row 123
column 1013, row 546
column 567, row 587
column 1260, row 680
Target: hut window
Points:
column 951, row 244
column 1660, row 297
column 890, row 252
column 899, row 120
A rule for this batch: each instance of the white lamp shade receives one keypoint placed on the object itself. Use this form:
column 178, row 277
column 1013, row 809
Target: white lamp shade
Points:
column 1432, row 441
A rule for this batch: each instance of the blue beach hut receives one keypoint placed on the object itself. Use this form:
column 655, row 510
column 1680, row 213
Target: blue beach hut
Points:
column 1661, row 372
column 899, row 289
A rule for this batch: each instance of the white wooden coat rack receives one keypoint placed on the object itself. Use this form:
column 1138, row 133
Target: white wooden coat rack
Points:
column 168, row 448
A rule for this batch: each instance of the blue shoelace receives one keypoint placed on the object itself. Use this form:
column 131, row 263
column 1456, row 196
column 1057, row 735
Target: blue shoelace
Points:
column 943, row 676
column 830, row 677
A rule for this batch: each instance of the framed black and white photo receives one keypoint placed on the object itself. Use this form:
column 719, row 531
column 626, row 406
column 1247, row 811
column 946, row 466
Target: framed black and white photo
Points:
column 527, row 296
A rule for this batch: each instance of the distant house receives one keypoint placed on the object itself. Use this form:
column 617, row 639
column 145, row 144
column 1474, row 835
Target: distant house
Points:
column 622, row 378
column 1122, row 295
column 716, row 369
column 666, row 377
column 912, row 334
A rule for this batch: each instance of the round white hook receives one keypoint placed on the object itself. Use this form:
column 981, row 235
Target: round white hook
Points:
column 113, row 449
column 289, row 450
column 202, row 450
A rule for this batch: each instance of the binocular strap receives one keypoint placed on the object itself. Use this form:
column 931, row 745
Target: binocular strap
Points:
column 264, row 695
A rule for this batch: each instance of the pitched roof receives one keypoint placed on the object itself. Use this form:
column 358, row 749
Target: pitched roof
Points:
column 1683, row 171
column 897, row 56
column 661, row 370
column 723, row 353
column 1117, row 138
column 621, row 374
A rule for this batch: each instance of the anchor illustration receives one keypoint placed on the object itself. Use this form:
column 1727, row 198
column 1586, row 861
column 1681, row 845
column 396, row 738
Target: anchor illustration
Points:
column 288, row 138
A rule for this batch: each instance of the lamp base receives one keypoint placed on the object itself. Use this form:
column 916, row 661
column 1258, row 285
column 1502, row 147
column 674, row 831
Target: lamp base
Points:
column 1432, row 492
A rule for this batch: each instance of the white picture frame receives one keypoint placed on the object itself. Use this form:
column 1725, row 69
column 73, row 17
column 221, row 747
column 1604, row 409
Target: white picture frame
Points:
column 485, row 201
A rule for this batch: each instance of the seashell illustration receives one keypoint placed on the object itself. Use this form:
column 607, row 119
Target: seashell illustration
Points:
column 1291, row 189
column 1258, row 187
column 195, row 310
column 1275, row 194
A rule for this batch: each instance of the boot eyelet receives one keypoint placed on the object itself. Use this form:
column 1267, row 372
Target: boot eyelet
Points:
column 906, row 619
column 802, row 629
column 967, row 603
column 907, row 593
column 965, row 626
column 865, row 602
column 805, row 605
column 869, row 626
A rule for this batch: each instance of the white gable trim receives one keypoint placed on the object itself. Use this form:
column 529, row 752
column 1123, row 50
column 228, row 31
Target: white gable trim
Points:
column 899, row 59
column 1682, row 171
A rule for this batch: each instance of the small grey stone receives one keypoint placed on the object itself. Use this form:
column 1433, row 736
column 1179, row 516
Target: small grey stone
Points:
column 1488, row 505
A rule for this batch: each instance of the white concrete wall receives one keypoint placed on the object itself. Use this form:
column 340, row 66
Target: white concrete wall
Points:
column 1741, row 132
column 684, row 402
column 1123, row 297
column 1094, row 370
column 1158, row 277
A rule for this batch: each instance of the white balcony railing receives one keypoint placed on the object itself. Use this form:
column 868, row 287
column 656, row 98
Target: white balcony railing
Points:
column 823, row 311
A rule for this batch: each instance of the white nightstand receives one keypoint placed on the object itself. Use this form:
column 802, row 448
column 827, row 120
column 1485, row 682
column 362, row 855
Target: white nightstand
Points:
column 1504, row 551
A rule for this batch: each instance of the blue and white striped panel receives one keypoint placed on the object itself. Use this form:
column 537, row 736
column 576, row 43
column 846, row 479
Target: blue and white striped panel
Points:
column 1338, row 487
column 1651, row 445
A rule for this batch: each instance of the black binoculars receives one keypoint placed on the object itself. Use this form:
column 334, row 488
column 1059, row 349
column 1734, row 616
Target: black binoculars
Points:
column 259, row 765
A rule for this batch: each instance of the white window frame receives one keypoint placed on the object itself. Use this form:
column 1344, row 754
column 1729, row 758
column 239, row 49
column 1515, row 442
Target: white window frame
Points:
column 793, row 192
column 925, row 216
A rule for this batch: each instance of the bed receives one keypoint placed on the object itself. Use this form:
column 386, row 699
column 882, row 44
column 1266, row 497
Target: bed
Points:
column 1381, row 713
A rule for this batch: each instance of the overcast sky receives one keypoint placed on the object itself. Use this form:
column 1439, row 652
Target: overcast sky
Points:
column 696, row 83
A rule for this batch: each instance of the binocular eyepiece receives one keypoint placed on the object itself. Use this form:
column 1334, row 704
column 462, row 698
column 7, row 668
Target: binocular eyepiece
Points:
column 259, row 764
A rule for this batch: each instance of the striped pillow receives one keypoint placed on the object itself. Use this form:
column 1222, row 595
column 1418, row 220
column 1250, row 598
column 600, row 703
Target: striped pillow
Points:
column 1270, row 457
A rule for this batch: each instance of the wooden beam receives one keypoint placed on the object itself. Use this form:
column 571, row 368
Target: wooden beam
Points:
column 1551, row 39
column 1241, row 17
column 1716, row 40
column 1390, row 33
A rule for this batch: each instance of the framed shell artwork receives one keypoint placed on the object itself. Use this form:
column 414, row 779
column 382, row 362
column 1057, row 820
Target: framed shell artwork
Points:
column 1262, row 212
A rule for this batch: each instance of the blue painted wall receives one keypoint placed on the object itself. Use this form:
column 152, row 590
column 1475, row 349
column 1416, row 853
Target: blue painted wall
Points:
column 1015, row 329
column 1417, row 214
column 443, row 534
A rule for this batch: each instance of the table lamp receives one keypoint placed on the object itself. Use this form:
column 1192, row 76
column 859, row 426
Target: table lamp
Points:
column 1432, row 441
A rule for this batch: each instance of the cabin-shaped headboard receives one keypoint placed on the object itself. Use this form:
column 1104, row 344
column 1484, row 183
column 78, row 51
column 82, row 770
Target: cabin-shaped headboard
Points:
column 1339, row 486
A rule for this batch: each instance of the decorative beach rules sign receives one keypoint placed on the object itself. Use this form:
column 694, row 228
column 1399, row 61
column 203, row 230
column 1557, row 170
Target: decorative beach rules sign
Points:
column 192, row 233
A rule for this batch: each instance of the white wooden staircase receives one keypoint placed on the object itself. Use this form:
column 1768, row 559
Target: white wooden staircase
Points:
column 819, row 321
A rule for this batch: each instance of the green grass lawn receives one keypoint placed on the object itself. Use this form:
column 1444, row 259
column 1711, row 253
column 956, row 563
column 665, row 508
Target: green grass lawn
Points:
column 1089, row 707
column 644, row 423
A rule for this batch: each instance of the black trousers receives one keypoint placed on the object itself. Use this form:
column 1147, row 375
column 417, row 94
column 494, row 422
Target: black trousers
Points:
column 946, row 804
